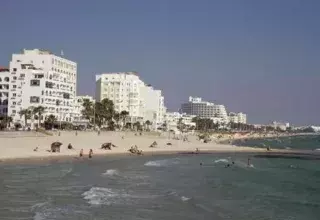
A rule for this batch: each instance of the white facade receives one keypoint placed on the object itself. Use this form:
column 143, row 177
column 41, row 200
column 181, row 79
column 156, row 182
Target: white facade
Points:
column 238, row 117
column 129, row 93
column 153, row 108
column 221, row 112
column 172, row 120
column 4, row 90
column 280, row 125
column 40, row 78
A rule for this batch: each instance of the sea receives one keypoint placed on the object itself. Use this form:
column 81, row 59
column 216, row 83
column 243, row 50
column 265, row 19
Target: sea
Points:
column 299, row 142
column 158, row 187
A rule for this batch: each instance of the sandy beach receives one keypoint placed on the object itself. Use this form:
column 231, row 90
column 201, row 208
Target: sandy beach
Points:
column 21, row 146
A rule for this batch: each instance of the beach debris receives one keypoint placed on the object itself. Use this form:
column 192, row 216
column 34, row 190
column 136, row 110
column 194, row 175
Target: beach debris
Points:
column 169, row 143
column 154, row 144
column 70, row 147
column 36, row 149
column 55, row 146
column 107, row 146
column 134, row 150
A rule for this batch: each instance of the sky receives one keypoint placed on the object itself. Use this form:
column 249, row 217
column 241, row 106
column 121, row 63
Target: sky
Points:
column 258, row 57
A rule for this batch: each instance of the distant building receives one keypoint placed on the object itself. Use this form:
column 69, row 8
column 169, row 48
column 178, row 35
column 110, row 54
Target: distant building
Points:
column 196, row 106
column 238, row 117
column 172, row 120
column 280, row 125
column 129, row 93
column 4, row 90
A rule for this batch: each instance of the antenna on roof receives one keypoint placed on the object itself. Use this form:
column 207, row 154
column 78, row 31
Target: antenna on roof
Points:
column 62, row 54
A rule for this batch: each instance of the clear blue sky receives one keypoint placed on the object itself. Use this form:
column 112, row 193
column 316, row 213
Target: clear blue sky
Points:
column 259, row 57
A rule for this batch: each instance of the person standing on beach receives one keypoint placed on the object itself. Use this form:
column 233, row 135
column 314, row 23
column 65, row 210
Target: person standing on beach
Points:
column 90, row 153
column 81, row 153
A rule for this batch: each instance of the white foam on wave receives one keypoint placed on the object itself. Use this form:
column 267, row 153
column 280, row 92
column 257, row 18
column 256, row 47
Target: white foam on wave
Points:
column 111, row 172
column 105, row 196
column 222, row 161
column 184, row 199
column 318, row 149
column 161, row 163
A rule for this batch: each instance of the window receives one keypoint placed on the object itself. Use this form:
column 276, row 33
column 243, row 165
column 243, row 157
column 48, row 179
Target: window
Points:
column 34, row 99
column 66, row 96
column 34, row 82
column 14, row 94
column 14, row 69
column 22, row 75
column 14, row 103
column 6, row 79
column 13, row 111
column 49, row 85
column 14, row 78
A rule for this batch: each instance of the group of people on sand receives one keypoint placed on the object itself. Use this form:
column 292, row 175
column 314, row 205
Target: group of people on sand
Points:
column 90, row 153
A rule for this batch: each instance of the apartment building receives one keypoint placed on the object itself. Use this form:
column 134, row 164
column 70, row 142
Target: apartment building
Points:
column 38, row 77
column 238, row 117
column 129, row 93
column 172, row 120
column 4, row 90
column 196, row 106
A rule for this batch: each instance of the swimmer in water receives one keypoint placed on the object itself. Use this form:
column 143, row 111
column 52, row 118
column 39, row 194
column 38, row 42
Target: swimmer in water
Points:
column 90, row 153
column 81, row 153
column 249, row 164
column 200, row 164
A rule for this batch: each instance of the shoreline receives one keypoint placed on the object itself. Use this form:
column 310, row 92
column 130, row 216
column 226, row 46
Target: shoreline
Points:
column 20, row 148
column 243, row 151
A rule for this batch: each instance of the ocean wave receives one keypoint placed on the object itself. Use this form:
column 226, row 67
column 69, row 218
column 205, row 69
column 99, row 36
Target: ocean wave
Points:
column 222, row 161
column 110, row 172
column 184, row 199
column 161, row 163
column 104, row 196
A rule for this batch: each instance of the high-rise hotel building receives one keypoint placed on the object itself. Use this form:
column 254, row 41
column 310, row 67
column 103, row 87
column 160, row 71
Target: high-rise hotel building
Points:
column 40, row 78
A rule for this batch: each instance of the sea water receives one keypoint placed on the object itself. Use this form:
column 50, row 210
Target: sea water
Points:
column 162, row 187
column 303, row 142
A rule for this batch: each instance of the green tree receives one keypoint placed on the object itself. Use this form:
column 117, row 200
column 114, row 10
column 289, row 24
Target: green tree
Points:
column 38, row 111
column 148, row 123
column 123, row 117
column 88, row 109
column 26, row 113
column 50, row 121
column 116, row 118
column 104, row 112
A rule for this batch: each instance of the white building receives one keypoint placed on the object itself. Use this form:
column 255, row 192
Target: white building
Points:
column 196, row 106
column 129, row 93
column 238, row 117
column 280, row 125
column 40, row 78
column 153, row 108
column 172, row 120
column 4, row 90
column 78, row 107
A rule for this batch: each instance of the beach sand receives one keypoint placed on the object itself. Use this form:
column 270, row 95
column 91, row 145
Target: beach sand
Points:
column 18, row 147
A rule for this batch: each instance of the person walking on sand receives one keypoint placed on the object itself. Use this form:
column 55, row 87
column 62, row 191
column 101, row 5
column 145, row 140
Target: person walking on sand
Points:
column 90, row 153
column 248, row 164
column 81, row 153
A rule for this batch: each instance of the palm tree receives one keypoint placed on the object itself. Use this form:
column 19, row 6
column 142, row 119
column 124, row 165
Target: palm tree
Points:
column 27, row 115
column 116, row 117
column 50, row 120
column 39, row 110
column 123, row 117
column 148, row 123
column 8, row 120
